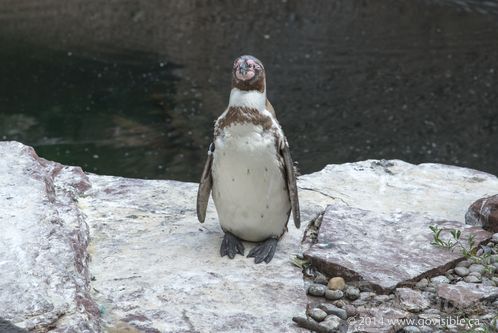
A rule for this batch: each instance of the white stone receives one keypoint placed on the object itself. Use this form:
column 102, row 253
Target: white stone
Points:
column 440, row 191
column 43, row 261
column 152, row 258
column 318, row 314
column 495, row 238
column 332, row 322
column 461, row 271
column 412, row 300
column 440, row 279
column 155, row 266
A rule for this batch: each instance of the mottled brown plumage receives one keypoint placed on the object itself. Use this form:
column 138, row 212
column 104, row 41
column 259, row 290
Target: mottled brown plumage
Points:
column 241, row 115
column 250, row 173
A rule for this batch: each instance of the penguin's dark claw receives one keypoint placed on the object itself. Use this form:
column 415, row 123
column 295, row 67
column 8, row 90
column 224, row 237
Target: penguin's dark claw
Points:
column 230, row 246
column 264, row 251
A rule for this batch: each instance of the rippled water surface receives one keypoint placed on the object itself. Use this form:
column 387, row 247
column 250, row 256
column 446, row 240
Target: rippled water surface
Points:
column 133, row 88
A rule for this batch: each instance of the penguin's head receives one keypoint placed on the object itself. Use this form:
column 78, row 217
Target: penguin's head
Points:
column 248, row 73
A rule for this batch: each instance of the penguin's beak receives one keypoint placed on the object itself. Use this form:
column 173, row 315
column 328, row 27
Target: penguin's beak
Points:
column 244, row 71
column 243, row 68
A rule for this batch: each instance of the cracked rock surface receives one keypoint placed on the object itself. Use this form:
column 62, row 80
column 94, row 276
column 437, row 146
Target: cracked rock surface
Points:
column 155, row 268
column 383, row 250
column 43, row 260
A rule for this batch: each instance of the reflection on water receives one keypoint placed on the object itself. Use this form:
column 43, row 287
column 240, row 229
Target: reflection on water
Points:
column 134, row 89
column 108, row 117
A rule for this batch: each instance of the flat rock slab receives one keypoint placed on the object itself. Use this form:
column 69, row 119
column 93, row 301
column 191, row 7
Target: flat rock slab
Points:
column 157, row 269
column 380, row 232
column 411, row 300
column 439, row 191
column 44, row 280
column 384, row 250
column 463, row 295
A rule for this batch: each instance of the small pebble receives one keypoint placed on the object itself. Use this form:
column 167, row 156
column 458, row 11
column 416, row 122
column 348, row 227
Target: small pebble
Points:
column 462, row 271
column 333, row 310
column 350, row 310
column 411, row 329
column 491, row 269
column 495, row 238
column 493, row 258
column 464, row 263
column 439, row 280
column 496, row 266
column 317, row 290
column 422, row 284
column 340, row 303
column 332, row 322
column 352, row 293
column 495, row 279
column 336, row 283
column 318, row 314
column 334, row 294
column 471, row 279
column 477, row 268
column 359, row 302
column 450, row 271
column 320, row 279
column 476, row 274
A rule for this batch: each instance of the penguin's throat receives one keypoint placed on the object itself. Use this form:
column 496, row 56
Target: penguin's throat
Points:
column 248, row 99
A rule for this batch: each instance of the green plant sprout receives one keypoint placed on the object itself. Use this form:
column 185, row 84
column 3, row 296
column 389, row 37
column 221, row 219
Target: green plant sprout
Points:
column 469, row 251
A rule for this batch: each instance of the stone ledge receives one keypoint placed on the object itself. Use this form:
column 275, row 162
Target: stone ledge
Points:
column 155, row 268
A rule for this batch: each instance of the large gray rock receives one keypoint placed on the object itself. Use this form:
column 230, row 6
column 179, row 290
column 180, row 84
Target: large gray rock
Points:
column 154, row 267
column 385, row 250
column 157, row 268
column 439, row 191
column 484, row 212
column 43, row 259
column 463, row 295
column 378, row 229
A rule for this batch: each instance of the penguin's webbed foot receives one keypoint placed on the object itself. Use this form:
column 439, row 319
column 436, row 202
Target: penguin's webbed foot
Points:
column 264, row 251
column 231, row 245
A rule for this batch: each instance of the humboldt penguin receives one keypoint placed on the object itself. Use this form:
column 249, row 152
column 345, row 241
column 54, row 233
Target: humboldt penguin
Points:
column 249, row 169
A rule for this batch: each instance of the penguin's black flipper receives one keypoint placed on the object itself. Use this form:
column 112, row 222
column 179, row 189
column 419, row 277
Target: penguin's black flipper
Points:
column 231, row 245
column 291, row 182
column 205, row 186
column 264, row 251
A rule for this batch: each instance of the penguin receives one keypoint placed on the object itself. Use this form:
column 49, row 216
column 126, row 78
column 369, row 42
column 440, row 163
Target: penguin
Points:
column 249, row 170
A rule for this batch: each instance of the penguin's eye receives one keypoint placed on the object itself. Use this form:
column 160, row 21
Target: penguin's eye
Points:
column 258, row 67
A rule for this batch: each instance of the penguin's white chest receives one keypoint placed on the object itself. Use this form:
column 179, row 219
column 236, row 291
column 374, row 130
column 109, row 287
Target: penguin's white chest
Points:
column 249, row 189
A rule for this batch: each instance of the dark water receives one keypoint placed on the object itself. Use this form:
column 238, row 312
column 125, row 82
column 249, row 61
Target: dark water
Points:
column 133, row 88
